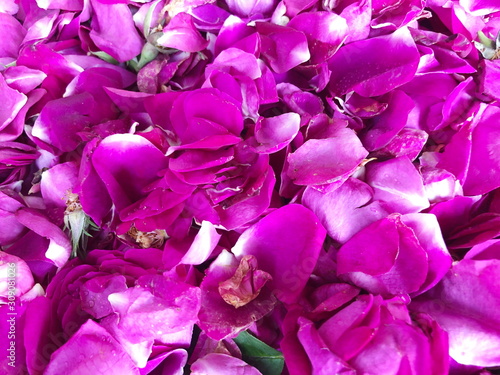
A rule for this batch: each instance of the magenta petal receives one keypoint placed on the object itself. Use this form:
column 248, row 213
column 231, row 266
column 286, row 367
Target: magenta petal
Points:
column 16, row 127
column 222, row 364
column 389, row 123
column 181, row 33
column 12, row 228
column 397, row 348
column 23, row 79
column 487, row 250
column 203, row 245
column 94, row 294
column 9, row 25
column 480, row 7
column 372, row 250
column 156, row 309
column 398, row 183
column 358, row 16
column 171, row 362
column 249, row 209
column 489, row 79
column 194, row 160
column 325, row 32
column 74, row 5
column 94, row 197
column 9, row 7
column 385, row 258
column 363, row 66
column 58, row 182
column 323, row 360
column 484, row 168
column 88, row 351
column 62, row 119
column 59, row 248
column 428, row 232
column 12, row 102
column 283, row 47
column 408, row 142
column 275, row 133
column 466, row 304
column 322, row 161
column 127, row 163
column 205, row 113
column 24, row 278
column 114, row 32
column 286, row 244
column 346, row 210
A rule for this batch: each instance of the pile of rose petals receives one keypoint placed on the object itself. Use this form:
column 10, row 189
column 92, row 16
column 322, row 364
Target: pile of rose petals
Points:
column 249, row 187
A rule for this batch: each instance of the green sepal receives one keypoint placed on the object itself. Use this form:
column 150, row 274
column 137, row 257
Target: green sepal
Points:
column 106, row 57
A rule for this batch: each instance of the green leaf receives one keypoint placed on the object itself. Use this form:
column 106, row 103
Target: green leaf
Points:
column 267, row 360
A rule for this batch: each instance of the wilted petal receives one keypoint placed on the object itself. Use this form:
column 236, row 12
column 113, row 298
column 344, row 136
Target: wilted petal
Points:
column 286, row 244
column 246, row 283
